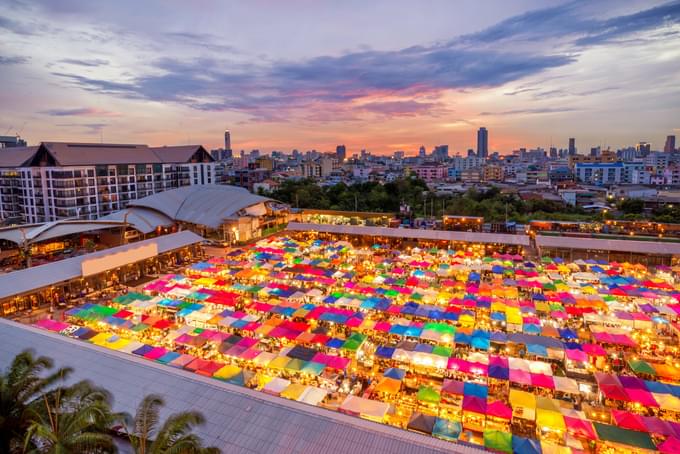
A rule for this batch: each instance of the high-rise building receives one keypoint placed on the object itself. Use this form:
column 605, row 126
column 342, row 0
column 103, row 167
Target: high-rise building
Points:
column 421, row 152
column 669, row 147
column 482, row 143
column 341, row 152
column 572, row 146
column 227, row 140
column 440, row 152
column 643, row 148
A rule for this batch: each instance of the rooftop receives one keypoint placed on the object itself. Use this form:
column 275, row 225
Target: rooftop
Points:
column 637, row 247
column 208, row 205
column 437, row 235
column 18, row 282
column 34, row 233
column 73, row 154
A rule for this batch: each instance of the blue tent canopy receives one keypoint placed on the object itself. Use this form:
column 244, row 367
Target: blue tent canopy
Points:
column 384, row 352
column 423, row 348
column 537, row 350
column 525, row 445
column 567, row 333
column 499, row 372
column 395, row 373
column 474, row 389
column 499, row 336
column 447, row 429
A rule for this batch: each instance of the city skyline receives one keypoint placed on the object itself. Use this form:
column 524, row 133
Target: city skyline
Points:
column 281, row 77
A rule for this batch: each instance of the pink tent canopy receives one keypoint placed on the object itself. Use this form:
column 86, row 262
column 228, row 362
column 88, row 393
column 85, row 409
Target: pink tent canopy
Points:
column 250, row 354
column 594, row 350
column 629, row 420
column 454, row 387
column 642, row 396
column 577, row 355
column 580, row 427
column 658, row 426
column 670, row 446
column 520, row 376
column 499, row 409
column 474, row 404
column 155, row 353
column 542, row 380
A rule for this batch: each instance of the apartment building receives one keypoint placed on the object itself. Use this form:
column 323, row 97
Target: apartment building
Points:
column 59, row 180
column 599, row 173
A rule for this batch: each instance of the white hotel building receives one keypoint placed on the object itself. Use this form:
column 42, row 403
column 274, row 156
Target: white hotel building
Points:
column 58, row 180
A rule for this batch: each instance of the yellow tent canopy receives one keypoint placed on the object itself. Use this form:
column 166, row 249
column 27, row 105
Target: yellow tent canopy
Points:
column 293, row 391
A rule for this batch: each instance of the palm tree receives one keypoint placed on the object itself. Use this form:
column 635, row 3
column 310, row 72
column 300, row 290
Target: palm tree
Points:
column 72, row 419
column 174, row 436
column 22, row 387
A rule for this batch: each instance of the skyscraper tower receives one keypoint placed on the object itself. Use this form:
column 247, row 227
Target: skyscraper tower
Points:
column 482, row 143
column 669, row 147
column 227, row 140
column 572, row 146
column 341, row 152
column 226, row 152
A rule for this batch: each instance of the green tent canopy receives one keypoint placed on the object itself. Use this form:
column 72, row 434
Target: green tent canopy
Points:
column 429, row 395
column 354, row 342
column 497, row 440
column 615, row 434
column 641, row 367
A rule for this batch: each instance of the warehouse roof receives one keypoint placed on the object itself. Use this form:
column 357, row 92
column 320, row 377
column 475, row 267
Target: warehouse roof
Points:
column 635, row 246
column 421, row 234
column 23, row 281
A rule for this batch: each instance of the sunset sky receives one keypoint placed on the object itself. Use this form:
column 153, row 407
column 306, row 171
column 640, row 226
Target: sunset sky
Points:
column 381, row 75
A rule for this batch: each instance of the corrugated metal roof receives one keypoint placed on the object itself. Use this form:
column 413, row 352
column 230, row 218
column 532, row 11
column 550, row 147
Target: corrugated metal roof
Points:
column 422, row 234
column 22, row 281
column 142, row 219
column 34, row 233
column 638, row 247
column 238, row 420
column 208, row 205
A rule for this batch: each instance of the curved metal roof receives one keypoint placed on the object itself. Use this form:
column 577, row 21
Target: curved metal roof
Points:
column 33, row 233
column 208, row 205
column 142, row 219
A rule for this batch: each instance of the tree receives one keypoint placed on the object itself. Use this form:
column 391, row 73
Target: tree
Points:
column 72, row 419
column 632, row 206
column 22, row 388
column 174, row 436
